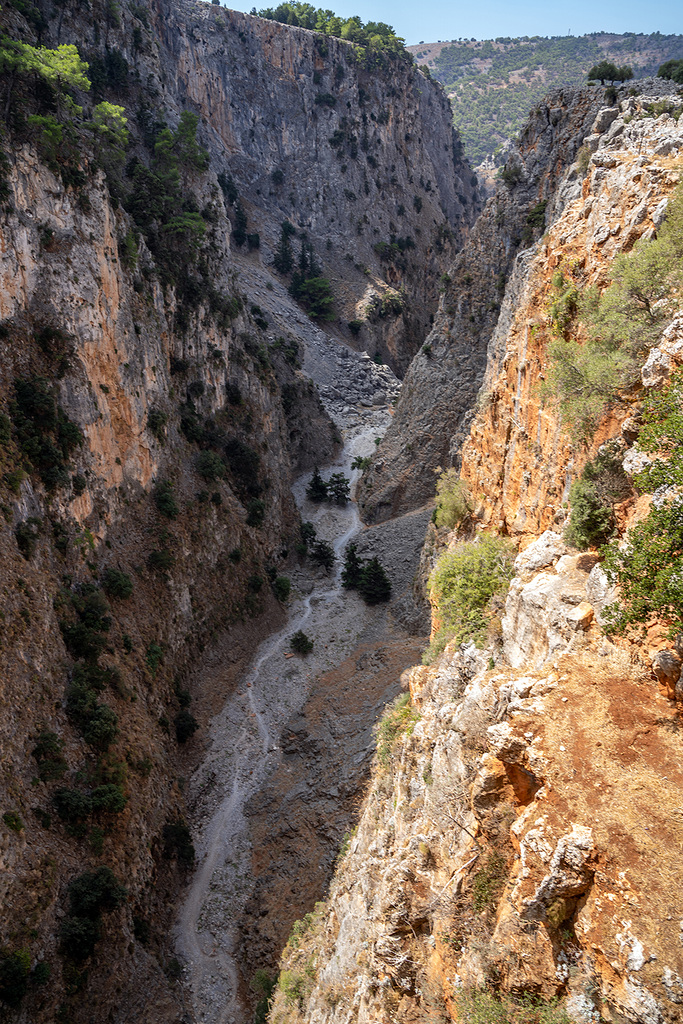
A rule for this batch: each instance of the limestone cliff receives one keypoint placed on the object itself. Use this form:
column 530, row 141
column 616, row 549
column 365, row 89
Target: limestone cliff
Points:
column 442, row 383
column 515, row 846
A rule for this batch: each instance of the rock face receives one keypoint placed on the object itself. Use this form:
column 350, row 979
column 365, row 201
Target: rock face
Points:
column 150, row 379
column 352, row 158
column 518, row 459
column 502, row 843
column 440, row 388
column 505, row 845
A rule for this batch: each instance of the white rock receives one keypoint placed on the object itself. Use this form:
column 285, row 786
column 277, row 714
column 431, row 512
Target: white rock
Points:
column 540, row 553
column 657, row 368
column 635, row 461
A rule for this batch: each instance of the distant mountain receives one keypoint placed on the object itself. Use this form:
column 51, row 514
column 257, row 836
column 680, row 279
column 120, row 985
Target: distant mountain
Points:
column 493, row 83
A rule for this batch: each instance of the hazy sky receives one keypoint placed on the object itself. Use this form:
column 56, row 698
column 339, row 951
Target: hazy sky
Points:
column 431, row 20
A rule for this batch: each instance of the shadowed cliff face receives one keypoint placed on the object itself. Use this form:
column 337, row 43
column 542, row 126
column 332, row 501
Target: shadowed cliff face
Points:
column 441, row 385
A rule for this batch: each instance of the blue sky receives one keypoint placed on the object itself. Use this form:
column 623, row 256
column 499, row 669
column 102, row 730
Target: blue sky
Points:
column 432, row 20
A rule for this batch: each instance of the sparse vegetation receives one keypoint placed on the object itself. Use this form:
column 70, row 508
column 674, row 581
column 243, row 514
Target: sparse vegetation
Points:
column 90, row 895
column 592, row 499
column 649, row 566
column 480, row 1006
column 622, row 323
column 399, row 718
column 463, row 586
column 453, row 502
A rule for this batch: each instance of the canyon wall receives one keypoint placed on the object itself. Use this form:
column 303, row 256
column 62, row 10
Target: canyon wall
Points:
column 442, row 383
column 515, row 846
column 152, row 421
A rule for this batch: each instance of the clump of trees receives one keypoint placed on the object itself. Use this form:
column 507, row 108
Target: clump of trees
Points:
column 672, row 70
column 607, row 71
column 376, row 43
column 308, row 286
column 335, row 490
column 368, row 577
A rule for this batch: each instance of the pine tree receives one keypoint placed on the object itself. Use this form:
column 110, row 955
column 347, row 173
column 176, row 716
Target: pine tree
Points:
column 353, row 569
column 283, row 261
column 374, row 584
column 338, row 488
column 322, row 553
column 317, row 488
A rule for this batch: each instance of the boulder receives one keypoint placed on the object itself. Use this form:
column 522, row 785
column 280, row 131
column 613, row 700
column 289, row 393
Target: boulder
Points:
column 657, row 368
column 667, row 667
column 581, row 616
column 543, row 551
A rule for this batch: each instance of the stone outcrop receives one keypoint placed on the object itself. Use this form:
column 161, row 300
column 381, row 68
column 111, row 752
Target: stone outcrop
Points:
column 502, row 844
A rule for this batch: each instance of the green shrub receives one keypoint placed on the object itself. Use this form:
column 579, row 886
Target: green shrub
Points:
column 116, row 583
column 177, row 843
column 153, row 657
column 210, row 466
column 338, row 489
column 109, row 798
column 244, row 462
column 592, row 498
column 14, row 976
column 322, row 553
column 400, row 717
column 282, row 586
column 72, row 805
column 489, row 882
column 13, row 821
column 374, row 586
column 165, row 501
column 264, row 986
column 44, row 433
column 361, row 462
column 156, row 424
column 27, row 534
column 185, row 724
column 160, row 561
column 453, row 503
column 353, row 568
column 463, row 584
column 477, row 1006
column 90, row 895
column 256, row 512
column 316, row 490
column 48, row 753
column 648, row 566
column 300, row 643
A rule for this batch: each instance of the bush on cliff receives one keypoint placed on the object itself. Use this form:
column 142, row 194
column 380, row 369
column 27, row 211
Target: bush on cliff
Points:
column 648, row 567
column 453, row 502
column 462, row 586
column 622, row 324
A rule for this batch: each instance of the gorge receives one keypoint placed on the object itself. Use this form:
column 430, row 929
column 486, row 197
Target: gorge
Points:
column 238, row 252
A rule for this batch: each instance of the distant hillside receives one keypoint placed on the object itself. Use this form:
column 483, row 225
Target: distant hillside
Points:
column 492, row 84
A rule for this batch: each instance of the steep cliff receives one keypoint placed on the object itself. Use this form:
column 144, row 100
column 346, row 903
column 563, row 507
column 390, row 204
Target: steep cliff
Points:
column 515, row 846
column 442, row 383
column 153, row 415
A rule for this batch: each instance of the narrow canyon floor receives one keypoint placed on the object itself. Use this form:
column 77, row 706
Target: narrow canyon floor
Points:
column 289, row 752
